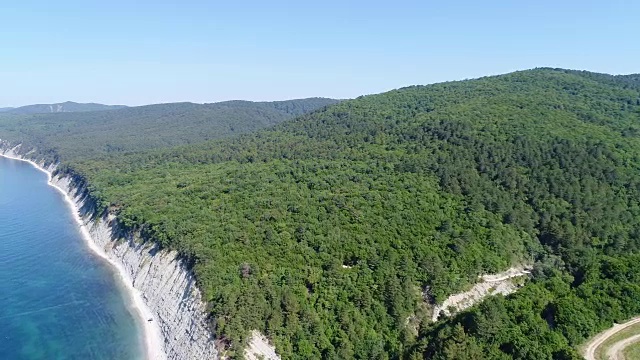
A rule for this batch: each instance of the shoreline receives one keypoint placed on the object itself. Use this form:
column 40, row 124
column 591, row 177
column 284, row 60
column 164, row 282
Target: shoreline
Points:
column 151, row 335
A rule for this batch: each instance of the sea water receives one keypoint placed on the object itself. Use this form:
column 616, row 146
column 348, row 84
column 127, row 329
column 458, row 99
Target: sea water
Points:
column 57, row 299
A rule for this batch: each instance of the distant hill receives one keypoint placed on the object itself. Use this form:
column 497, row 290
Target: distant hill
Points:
column 68, row 106
column 74, row 134
column 6, row 109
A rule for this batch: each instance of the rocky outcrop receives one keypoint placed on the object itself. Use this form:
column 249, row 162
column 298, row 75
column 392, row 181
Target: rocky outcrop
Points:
column 259, row 348
column 491, row 284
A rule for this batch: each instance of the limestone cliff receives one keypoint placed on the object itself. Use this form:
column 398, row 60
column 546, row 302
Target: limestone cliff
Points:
column 167, row 287
column 163, row 281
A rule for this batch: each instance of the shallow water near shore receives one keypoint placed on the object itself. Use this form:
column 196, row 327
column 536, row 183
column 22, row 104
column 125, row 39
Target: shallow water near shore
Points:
column 57, row 299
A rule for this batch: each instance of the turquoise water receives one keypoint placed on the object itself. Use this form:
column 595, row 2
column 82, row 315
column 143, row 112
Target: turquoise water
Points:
column 57, row 299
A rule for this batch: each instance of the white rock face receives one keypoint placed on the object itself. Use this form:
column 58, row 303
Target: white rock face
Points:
column 259, row 348
column 492, row 284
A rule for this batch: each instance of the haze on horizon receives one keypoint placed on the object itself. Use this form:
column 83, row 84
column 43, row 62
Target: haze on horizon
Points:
column 134, row 54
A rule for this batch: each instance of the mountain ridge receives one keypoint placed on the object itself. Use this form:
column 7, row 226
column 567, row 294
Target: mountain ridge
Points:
column 67, row 106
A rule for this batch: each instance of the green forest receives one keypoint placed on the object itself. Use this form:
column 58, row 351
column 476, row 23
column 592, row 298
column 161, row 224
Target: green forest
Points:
column 336, row 231
column 82, row 135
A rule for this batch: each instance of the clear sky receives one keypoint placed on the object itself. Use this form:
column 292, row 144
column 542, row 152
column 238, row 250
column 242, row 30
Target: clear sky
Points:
column 118, row 52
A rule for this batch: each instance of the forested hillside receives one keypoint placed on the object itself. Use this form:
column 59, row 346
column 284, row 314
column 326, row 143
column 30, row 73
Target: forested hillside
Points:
column 335, row 232
column 89, row 134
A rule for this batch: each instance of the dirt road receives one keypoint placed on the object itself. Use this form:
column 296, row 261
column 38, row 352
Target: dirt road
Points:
column 615, row 352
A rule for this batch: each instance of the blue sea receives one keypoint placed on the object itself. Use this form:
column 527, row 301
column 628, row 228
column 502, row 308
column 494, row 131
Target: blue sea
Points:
column 57, row 299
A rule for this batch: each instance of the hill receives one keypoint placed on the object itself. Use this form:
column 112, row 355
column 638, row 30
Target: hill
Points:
column 88, row 134
column 68, row 106
column 335, row 233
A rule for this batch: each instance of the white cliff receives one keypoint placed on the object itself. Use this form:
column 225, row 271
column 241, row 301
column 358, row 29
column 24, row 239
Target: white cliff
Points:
column 163, row 283
column 162, row 289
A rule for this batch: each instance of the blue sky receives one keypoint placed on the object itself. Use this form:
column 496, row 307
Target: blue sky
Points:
column 117, row 52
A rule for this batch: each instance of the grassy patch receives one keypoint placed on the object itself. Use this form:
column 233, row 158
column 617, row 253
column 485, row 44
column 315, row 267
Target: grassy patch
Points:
column 632, row 352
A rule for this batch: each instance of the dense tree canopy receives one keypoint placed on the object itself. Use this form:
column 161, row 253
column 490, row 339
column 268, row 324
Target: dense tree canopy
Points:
column 332, row 233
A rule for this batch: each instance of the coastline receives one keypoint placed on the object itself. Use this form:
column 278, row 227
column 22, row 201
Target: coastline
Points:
column 151, row 333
